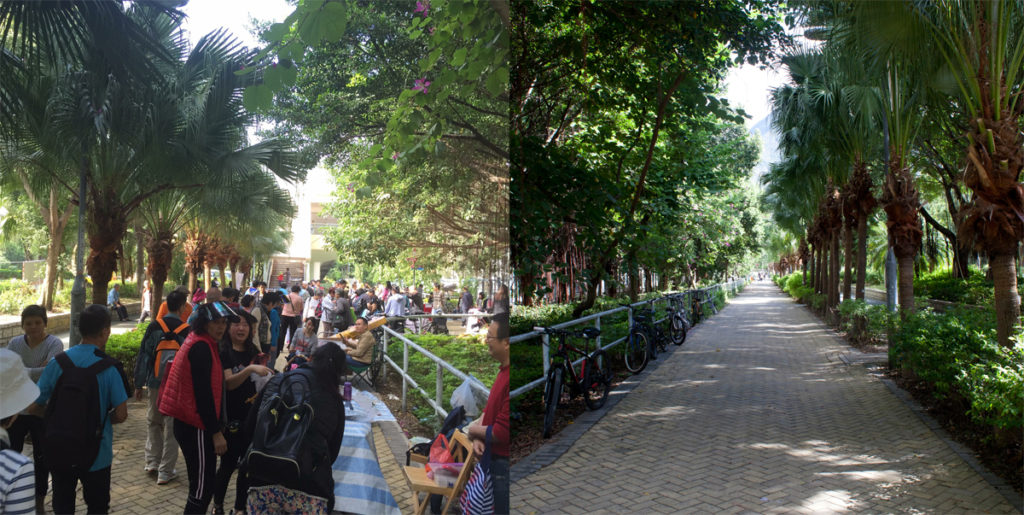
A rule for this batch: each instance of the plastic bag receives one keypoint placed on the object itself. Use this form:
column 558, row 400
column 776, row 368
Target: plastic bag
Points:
column 440, row 451
column 466, row 397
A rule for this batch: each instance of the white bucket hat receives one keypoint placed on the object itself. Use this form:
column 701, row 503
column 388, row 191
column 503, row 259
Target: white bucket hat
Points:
column 17, row 391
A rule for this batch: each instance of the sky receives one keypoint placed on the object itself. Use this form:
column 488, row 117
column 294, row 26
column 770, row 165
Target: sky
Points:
column 205, row 16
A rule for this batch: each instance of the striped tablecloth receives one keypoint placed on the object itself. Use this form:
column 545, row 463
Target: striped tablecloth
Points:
column 359, row 486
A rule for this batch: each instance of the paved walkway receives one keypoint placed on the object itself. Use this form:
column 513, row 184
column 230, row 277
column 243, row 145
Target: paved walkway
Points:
column 758, row 413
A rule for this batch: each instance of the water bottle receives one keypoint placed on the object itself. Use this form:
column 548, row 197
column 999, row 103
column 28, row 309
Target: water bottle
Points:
column 348, row 391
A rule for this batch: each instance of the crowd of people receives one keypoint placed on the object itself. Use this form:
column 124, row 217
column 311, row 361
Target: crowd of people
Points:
column 206, row 366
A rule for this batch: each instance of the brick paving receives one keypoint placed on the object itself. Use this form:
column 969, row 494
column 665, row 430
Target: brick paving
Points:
column 762, row 410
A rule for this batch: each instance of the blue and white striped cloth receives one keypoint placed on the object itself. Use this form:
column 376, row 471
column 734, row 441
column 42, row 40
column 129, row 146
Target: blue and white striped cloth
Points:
column 359, row 485
column 17, row 483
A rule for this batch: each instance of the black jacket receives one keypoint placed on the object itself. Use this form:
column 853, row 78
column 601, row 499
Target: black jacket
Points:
column 325, row 436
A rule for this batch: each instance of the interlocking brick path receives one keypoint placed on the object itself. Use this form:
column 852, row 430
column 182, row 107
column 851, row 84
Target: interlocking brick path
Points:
column 757, row 413
column 134, row 491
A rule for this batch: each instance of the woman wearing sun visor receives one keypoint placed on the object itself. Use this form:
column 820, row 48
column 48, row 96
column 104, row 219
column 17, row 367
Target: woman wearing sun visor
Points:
column 192, row 395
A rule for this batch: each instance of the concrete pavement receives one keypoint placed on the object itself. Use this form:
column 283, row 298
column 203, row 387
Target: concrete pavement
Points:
column 762, row 410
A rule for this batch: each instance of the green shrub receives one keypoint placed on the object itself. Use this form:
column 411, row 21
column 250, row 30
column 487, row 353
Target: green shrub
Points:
column 466, row 353
column 936, row 347
column 865, row 324
column 941, row 285
column 125, row 348
column 792, row 282
column 995, row 388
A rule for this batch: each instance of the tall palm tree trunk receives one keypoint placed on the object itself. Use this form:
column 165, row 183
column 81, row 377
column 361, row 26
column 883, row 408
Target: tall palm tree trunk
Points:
column 862, row 255
column 833, row 299
column 901, row 206
column 160, row 248
column 107, row 227
column 905, row 284
column 848, row 261
column 1007, row 300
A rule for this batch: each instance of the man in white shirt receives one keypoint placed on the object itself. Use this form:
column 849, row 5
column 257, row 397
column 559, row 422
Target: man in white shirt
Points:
column 395, row 307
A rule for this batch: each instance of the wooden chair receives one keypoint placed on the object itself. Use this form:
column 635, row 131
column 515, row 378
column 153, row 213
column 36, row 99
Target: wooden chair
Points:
column 462, row 451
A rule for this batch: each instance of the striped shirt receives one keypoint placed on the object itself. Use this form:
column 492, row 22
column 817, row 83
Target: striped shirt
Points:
column 17, row 483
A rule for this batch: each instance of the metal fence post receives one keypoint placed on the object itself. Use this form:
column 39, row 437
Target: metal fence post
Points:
column 439, row 385
column 597, row 325
column 405, row 372
column 546, row 352
column 385, row 344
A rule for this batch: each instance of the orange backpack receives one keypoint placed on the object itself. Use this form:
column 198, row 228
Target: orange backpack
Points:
column 167, row 348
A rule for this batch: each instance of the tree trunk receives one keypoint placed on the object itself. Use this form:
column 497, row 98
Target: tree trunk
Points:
column 1007, row 300
column 192, row 279
column 905, row 285
column 161, row 253
column 862, row 255
column 206, row 276
column 961, row 260
column 833, row 297
column 107, row 227
column 648, row 287
column 848, row 262
column 140, row 272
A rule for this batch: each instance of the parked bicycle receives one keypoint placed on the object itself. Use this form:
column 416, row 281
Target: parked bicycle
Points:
column 593, row 380
column 679, row 322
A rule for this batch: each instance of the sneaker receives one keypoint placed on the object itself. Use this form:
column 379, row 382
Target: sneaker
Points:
column 166, row 478
column 150, row 469
column 218, row 509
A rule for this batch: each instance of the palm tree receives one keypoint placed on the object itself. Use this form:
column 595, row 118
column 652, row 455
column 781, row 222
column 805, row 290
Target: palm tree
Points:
column 982, row 43
column 184, row 131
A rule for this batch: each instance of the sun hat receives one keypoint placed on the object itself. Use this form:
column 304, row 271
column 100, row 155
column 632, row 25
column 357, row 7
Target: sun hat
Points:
column 17, row 391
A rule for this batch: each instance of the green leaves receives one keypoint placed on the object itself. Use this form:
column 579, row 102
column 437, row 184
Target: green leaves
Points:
column 257, row 98
column 324, row 25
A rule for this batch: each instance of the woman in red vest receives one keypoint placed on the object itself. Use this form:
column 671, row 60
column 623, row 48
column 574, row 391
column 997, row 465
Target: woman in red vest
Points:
column 192, row 395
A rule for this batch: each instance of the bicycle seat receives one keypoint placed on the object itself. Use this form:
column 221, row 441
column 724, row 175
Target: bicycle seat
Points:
column 590, row 333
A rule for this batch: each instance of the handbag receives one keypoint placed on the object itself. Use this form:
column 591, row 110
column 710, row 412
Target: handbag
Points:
column 478, row 496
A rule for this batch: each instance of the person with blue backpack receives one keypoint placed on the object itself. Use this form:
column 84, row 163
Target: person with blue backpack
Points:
column 160, row 343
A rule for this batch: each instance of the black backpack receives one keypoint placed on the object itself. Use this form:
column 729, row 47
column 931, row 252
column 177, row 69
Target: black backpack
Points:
column 280, row 452
column 74, row 427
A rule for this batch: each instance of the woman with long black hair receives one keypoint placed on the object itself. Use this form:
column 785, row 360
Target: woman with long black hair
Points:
column 311, row 491
column 238, row 354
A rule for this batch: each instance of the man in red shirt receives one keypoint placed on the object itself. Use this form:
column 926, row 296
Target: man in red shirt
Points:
column 496, row 415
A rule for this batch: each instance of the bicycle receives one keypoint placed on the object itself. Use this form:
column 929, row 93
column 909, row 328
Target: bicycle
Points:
column 658, row 337
column 637, row 344
column 593, row 381
column 679, row 323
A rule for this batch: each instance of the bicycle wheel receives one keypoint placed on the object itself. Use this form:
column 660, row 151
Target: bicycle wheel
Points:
column 636, row 352
column 552, row 394
column 597, row 380
column 678, row 328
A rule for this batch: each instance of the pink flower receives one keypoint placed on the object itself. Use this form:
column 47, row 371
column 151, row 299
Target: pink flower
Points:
column 421, row 85
column 395, row 156
column 351, row 186
column 727, row 244
column 422, row 6
column 431, row 31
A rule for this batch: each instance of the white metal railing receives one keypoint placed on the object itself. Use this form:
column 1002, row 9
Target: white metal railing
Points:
column 596, row 317
column 440, row 366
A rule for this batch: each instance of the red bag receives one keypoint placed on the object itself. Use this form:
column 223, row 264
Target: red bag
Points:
column 440, row 451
